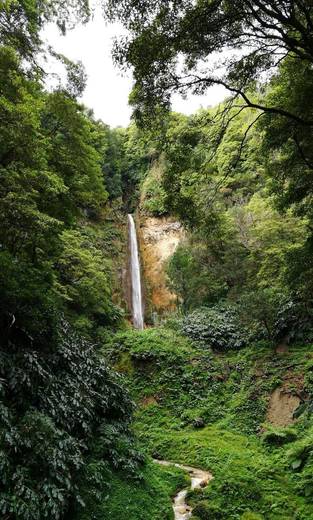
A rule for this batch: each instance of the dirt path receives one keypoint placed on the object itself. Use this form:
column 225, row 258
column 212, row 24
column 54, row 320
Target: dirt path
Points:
column 199, row 479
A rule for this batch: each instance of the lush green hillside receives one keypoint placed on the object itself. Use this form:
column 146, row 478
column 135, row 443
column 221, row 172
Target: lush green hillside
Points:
column 210, row 410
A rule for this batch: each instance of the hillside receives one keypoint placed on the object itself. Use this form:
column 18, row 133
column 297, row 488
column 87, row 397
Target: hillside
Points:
column 213, row 411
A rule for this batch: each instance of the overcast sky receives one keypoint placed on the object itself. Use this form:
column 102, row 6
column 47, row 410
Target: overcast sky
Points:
column 107, row 89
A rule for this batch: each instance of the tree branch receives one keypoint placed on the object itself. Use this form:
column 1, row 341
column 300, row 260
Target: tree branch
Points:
column 236, row 90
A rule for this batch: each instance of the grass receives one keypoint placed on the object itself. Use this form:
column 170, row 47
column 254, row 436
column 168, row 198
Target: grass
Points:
column 209, row 411
column 144, row 498
column 179, row 387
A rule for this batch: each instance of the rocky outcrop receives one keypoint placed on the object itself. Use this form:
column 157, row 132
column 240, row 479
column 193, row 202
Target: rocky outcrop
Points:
column 159, row 237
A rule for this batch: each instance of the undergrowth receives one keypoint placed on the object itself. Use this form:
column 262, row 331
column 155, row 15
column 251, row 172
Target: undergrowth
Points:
column 127, row 498
column 209, row 410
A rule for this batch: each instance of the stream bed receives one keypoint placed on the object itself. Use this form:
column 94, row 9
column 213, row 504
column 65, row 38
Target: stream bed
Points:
column 199, row 479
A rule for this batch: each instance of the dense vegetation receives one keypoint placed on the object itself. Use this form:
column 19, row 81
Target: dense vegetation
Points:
column 57, row 248
column 239, row 178
column 238, row 175
column 211, row 411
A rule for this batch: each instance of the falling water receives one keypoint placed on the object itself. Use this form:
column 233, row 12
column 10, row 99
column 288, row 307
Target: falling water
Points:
column 135, row 275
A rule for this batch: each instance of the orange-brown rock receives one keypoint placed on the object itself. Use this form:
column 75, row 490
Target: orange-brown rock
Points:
column 159, row 238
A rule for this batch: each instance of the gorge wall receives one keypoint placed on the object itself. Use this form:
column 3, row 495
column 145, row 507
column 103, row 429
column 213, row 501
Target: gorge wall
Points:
column 159, row 237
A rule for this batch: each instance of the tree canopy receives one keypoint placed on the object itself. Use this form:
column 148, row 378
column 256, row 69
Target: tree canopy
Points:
column 190, row 46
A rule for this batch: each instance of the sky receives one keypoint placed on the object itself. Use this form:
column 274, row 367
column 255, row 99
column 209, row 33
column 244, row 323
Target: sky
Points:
column 107, row 88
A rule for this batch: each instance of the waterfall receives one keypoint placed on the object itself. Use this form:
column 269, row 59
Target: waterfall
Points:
column 135, row 276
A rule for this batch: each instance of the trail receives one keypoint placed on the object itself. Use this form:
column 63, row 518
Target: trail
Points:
column 199, row 479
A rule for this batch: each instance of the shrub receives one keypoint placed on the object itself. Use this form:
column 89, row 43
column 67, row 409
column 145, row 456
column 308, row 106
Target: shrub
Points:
column 206, row 511
column 248, row 515
column 217, row 327
column 279, row 436
column 294, row 322
column 153, row 195
column 54, row 402
column 150, row 345
column 300, row 460
column 154, row 201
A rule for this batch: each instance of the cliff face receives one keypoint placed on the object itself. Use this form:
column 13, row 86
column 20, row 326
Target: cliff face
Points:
column 159, row 238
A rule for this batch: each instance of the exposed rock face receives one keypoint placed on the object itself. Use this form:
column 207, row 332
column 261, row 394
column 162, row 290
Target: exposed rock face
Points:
column 282, row 405
column 159, row 238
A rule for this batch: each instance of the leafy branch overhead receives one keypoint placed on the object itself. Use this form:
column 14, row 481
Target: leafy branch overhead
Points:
column 189, row 46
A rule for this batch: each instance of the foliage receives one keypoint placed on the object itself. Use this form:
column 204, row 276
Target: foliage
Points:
column 51, row 154
column 299, row 458
column 286, row 145
column 259, row 312
column 54, row 400
column 73, row 152
column 133, row 499
column 224, row 164
column 238, row 247
column 23, row 20
column 278, row 436
column 56, row 396
column 293, row 320
column 173, row 47
column 243, row 194
column 125, row 163
column 149, row 345
column 153, row 195
column 229, row 392
column 217, row 327
column 84, row 283
column 289, row 163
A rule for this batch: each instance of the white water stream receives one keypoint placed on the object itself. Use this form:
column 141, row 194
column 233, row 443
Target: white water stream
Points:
column 199, row 479
column 135, row 276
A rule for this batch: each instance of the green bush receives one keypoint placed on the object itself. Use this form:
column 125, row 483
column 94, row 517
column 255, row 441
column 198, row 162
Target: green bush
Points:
column 279, row 436
column 217, row 327
column 150, row 345
column 294, row 322
column 54, row 402
column 300, row 461
column 205, row 511
column 248, row 515
column 154, row 197
column 124, row 498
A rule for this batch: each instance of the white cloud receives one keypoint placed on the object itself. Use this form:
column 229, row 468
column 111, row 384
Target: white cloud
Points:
column 107, row 89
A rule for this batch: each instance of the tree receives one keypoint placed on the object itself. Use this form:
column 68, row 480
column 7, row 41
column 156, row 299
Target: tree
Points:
column 56, row 394
column 287, row 145
column 73, row 153
column 113, row 161
column 21, row 22
column 238, row 245
column 54, row 402
column 172, row 47
column 84, row 282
